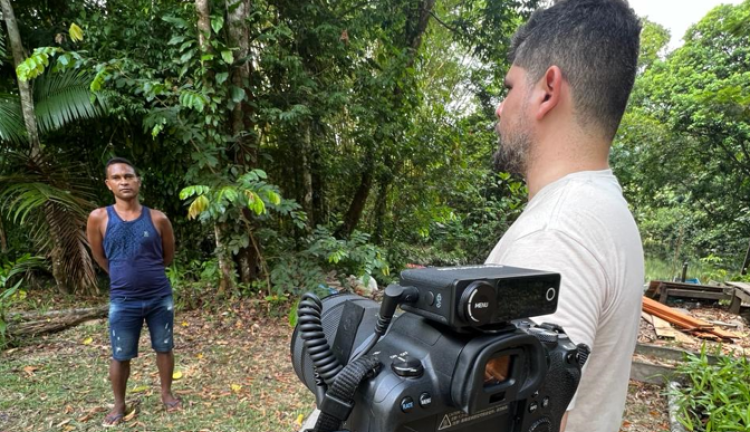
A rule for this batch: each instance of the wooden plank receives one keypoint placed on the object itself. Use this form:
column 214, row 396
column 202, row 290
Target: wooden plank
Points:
column 674, row 292
column 735, row 306
column 648, row 317
column 687, row 322
column 663, row 328
column 653, row 289
column 668, row 353
column 683, row 338
column 744, row 297
column 744, row 286
column 685, row 285
column 650, row 373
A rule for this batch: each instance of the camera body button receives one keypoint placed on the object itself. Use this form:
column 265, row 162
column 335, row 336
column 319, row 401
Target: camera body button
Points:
column 425, row 400
column 407, row 404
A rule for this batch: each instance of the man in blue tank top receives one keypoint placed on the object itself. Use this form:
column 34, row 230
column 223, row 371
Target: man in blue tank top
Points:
column 134, row 244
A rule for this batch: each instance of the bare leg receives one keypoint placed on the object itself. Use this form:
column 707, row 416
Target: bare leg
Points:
column 165, row 364
column 119, row 371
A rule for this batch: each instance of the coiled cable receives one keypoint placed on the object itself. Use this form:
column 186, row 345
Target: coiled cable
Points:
column 326, row 365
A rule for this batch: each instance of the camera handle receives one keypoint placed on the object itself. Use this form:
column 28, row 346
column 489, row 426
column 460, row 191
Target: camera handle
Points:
column 393, row 296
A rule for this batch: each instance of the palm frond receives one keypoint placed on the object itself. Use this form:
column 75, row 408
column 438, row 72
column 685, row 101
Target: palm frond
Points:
column 51, row 198
column 62, row 98
column 69, row 232
column 20, row 199
column 3, row 52
column 12, row 128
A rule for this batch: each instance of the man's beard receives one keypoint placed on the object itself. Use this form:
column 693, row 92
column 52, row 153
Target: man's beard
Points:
column 512, row 153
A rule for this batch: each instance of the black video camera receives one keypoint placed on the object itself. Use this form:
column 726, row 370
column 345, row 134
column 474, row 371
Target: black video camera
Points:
column 463, row 355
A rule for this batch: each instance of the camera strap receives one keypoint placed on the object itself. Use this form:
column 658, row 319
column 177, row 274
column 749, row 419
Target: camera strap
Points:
column 339, row 399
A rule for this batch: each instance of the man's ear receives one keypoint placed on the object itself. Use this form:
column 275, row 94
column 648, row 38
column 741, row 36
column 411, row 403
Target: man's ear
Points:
column 106, row 182
column 549, row 91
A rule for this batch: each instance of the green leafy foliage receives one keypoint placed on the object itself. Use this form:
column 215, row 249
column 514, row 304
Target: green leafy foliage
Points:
column 36, row 63
column 75, row 32
column 324, row 256
column 682, row 149
column 11, row 278
column 714, row 396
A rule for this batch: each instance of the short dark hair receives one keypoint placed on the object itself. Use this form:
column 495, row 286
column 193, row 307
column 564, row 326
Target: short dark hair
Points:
column 595, row 43
column 119, row 160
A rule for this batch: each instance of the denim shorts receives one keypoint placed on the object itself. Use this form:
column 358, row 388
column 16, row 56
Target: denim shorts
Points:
column 126, row 317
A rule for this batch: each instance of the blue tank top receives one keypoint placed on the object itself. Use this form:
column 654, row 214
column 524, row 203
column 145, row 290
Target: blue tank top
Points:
column 135, row 256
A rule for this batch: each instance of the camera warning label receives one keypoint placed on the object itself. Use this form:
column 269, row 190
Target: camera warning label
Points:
column 460, row 418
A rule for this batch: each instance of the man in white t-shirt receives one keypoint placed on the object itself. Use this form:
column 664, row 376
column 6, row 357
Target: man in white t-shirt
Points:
column 573, row 67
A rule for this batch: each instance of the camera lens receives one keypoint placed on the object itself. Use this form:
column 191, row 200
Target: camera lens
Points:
column 497, row 370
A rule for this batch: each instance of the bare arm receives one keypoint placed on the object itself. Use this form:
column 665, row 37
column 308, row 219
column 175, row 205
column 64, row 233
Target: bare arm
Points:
column 167, row 236
column 564, row 422
column 96, row 220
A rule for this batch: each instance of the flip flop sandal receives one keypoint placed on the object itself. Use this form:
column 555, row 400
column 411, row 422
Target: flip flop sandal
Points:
column 112, row 420
column 174, row 406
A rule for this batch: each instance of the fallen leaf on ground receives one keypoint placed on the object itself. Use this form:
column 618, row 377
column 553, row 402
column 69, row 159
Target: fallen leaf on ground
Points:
column 88, row 341
column 176, row 375
column 30, row 369
column 299, row 419
column 139, row 389
column 91, row 414
column 236, row 388
column 130, row 416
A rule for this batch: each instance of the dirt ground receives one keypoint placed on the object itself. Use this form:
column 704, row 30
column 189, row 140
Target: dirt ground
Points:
column 232, row 365
column 646, row 409
column 235, row 375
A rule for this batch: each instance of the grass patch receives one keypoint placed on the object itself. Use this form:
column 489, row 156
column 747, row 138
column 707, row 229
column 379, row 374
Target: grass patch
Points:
column 236, row 376
column 715, row 396
column 660, row 269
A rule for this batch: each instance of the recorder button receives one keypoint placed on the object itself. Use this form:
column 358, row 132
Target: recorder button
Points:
column 425, row 400
column 407, row 367
column 407, row 404
column 478, row 303
column 430, row 297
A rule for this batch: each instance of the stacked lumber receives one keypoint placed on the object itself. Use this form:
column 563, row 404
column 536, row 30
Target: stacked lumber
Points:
column 697, row 327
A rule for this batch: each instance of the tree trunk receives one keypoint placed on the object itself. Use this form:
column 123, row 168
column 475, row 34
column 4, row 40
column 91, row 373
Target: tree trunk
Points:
column 242, row 126
column 24, row 89
column 357, row 206
column 415, row 38
column 225, row 267
column 57, row 252
column 29, row 324
column 413, row 41
column 746, row 262
column 381, row 208
column 3, row 237
column 307, row 187
column 203, row 9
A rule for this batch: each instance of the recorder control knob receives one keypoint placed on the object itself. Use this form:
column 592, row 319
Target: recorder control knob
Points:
column 477, row 305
